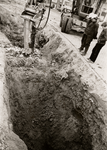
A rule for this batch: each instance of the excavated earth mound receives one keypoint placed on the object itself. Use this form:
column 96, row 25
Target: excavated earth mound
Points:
column 11, row 23
column 54, row 98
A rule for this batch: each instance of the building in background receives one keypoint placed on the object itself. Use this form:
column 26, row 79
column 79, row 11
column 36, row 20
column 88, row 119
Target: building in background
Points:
column 55, row 3
column 103, row 14
column 59, row 4
column 64, row 3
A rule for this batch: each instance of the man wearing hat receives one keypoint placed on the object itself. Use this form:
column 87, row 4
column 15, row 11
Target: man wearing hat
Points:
column 100, row 43
column 90, row 33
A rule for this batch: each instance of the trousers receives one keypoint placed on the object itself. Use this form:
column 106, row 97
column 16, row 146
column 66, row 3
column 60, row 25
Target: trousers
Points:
column 85, row 42
column 96, row 51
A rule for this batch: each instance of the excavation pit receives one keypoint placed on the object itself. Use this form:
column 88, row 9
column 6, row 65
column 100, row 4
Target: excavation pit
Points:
column 52, row 107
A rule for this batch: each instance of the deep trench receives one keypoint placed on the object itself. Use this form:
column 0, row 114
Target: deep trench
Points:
column 51, row 109
column 43, row 114
column 48, row 112
column 42, row 111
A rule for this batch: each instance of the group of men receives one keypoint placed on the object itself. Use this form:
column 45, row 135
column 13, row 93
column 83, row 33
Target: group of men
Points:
column 90, row 33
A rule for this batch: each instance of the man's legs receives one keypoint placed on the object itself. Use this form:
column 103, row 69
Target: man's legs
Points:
column 96, row 51
column 87, row 44
column 86, row 49
column 83, row 42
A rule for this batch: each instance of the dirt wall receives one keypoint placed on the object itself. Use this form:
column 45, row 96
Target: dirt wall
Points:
column 57, row 101
column 8, row 139
column 11, row 23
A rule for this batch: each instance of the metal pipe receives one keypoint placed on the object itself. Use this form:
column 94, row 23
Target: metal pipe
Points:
column 27, row 24
column 31, row 2
column 26, row 33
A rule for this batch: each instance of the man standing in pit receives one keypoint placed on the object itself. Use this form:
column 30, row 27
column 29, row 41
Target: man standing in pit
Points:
column 90, row 33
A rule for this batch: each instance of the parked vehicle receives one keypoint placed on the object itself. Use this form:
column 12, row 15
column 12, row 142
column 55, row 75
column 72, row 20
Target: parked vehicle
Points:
column 48, row 5
column 76, row 19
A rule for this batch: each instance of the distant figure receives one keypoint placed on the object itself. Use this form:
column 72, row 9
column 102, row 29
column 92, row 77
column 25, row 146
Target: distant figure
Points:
column 30, row 2
column 33, row 2
column 100, row 43
column 74, row 7
column 90, row 33
column 87, row 2
column 63, row 9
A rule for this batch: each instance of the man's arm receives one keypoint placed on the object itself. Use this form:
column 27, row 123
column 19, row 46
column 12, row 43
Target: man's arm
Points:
column 96, row 31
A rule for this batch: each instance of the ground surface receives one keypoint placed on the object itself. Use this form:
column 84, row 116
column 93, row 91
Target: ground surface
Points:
column 51, row 104
column 99, row 66
column 50, row 107
column 16, row 9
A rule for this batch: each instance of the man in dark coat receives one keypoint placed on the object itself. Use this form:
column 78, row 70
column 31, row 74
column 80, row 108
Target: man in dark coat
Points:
column 100, row 43
column 90, row 33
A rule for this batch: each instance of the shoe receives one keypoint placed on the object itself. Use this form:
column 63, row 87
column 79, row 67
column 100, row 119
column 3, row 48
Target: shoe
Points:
column 89, row 60
column 80, row 49
column 83, row 53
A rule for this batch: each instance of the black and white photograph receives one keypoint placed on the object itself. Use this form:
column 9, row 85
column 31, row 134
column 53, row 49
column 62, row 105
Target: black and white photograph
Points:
column 53, row 74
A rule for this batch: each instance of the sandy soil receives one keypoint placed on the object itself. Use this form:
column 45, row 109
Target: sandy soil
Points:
column 51, row 108
column 99, row 66
column 15, row 10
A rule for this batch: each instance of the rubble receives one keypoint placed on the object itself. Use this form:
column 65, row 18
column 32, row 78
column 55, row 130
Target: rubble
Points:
column 52, row 99
column 51, row 104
